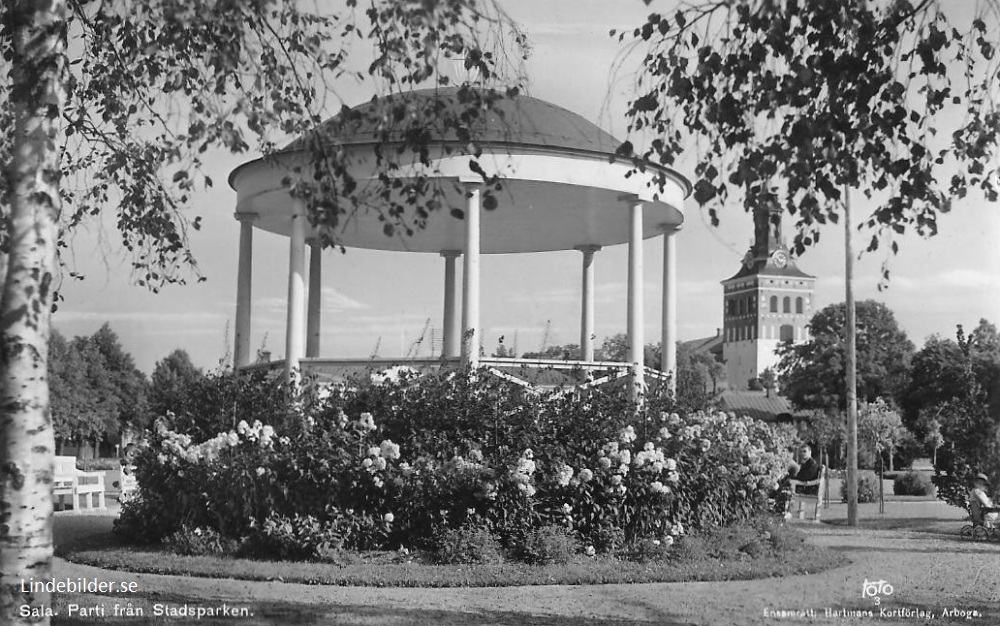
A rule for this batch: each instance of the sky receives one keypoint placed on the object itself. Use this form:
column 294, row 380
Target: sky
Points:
column 384, row 302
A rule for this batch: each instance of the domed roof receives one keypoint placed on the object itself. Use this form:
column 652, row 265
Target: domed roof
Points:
column 513, row 120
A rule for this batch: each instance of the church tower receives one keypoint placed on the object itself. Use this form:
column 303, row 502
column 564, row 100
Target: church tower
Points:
column 767, row 302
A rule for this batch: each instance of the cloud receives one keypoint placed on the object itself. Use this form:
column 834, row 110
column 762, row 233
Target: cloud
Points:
column 333, row 301
column 135, row 317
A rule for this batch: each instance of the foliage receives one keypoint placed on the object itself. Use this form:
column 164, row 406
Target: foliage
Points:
column 298, row 537
column 549, row 544
column 96, row 390
column 465, row 545
column 912, row 484
column 479, row 452
column 174, row 378
column 805, row 99
column 970, row 419
column 199, row 542
column 215, row 402
column 812, row 374
column 868, row 487
column 945, row 369
column 880, row 426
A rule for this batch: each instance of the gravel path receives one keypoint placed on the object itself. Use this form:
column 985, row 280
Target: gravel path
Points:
column 929, row 572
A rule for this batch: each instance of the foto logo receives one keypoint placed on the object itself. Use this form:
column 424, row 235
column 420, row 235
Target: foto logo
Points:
column 876, row 589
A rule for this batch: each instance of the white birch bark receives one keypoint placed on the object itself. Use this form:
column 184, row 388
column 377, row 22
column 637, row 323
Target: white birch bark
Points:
column 26, row 438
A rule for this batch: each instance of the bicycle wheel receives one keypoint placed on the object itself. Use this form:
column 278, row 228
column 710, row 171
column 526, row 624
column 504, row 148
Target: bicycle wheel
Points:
column 966, row 532
column 980, row 534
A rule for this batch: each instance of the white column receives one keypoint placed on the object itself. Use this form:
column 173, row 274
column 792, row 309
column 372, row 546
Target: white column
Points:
column 636, row 340
column 244, row 295
column 587, row 303
column 295, row 326
column 315, row 311
column 470, row 276
column 452, row 332
column 668, row 352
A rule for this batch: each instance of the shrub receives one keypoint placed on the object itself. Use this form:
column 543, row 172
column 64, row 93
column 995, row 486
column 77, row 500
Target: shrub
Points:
column 868, row 487
column 470, row 544
column 200, row 542
column 296, row 537
column 649, row 550
column 480, row 453
column 549, row 544
column 912, row 484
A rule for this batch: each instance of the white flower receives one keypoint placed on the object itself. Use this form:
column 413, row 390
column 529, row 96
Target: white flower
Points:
column 585, row 475
column 373, row 451
column 590, row 551
column 604, row 462
column 528, row 454
column 566, row 508
column 367, row 463
column 380, row 463
column 627, row 435
column 366, row 421
column 388, row 518
column 656, row 542
column 389, row 450
column 669, row 540
column 671, row 465
column 616, row 480
column 564, row 474
column 261, row 471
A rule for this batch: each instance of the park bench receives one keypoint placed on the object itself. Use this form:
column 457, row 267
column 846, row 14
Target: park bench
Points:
column 800, row 503
column 67, row 480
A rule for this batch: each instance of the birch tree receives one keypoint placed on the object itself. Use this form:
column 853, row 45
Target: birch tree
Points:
column 111, row 106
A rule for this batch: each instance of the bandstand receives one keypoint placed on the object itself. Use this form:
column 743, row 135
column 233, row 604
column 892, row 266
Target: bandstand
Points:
column 562, row 190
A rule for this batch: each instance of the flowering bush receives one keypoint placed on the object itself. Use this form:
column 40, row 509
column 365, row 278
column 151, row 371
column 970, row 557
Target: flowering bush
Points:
column 404, row 461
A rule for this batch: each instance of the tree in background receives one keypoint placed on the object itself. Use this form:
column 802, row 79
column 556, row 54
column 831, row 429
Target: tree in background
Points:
column 934, row 438
column 806, row 103
column 811, row 374
column 881, row 427
column 968, row 418
column 131, row 385
column 172, row 384
column 95, row 389
column 153, row 87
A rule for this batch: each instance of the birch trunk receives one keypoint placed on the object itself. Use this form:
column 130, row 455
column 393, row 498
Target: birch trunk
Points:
column 38, row 28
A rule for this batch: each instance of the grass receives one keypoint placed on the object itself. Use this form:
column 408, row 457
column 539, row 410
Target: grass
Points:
column 87, row 540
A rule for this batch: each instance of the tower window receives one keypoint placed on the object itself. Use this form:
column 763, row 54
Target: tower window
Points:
column 787, row 332
column 786, row 305
column 774, row 304
column 731, row 307
column 798, row 305
column 743, row 306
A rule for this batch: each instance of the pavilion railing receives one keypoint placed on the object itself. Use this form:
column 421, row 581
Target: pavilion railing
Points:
column 578, row 374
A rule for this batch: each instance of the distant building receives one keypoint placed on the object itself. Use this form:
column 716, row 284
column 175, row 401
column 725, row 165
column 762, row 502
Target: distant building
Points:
column 767, row 302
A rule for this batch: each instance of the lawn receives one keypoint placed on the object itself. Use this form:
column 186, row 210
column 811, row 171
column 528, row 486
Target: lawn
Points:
column 87, row 540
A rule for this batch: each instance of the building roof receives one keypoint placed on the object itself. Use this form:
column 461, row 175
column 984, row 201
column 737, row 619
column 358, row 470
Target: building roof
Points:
column 710, row 345
column 760, row 405
column 765, row 267
column 510, row 120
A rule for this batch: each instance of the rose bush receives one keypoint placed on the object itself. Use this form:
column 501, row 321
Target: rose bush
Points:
column 402, row 461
